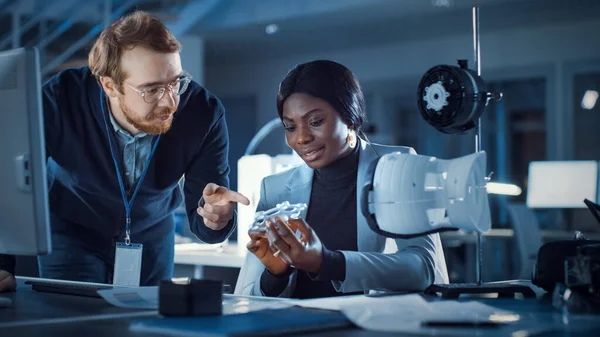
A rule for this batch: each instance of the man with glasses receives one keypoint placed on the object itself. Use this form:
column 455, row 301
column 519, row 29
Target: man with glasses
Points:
column 120, row 135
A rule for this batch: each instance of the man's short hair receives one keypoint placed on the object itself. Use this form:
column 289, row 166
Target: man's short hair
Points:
column 136, row 29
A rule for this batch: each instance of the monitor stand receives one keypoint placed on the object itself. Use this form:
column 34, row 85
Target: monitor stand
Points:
column 504, row 290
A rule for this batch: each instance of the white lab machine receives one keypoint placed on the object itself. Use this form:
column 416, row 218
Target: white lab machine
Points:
column 412, row 195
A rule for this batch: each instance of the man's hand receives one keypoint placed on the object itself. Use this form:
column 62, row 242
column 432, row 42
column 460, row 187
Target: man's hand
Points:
column 219, row 203
column 7, row 281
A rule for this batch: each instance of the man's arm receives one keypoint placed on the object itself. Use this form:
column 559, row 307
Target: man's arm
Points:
column 211, row 165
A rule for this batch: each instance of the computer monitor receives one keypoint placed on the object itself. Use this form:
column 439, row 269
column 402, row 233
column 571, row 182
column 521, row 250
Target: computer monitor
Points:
column 562, row 184
column 24, row 216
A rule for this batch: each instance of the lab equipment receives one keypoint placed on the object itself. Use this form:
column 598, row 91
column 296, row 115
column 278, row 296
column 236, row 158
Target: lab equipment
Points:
column 452, row 99
column 412, row 195
column 570, row 270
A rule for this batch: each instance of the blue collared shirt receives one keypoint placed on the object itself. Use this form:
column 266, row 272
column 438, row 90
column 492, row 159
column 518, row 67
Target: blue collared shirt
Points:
column 135, row 149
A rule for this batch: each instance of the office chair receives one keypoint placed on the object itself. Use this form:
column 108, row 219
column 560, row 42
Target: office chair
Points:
column 527, row 235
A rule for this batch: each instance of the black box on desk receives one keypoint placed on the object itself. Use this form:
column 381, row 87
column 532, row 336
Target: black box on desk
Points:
column 196, row 298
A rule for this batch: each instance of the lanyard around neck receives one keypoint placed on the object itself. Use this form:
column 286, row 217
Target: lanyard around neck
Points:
column 127, row 202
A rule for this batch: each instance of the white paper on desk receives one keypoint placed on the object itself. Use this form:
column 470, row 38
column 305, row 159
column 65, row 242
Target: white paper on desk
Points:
column 147, row 298
column 406, row 313
column 333, row 303
column 134, row 297
column 400, row 315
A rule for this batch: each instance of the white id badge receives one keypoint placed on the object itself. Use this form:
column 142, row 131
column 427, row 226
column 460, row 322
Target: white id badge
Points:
column 128, row 264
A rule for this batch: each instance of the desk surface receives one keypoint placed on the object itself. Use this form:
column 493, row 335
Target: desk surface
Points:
column 48, row 315
column 44, row 314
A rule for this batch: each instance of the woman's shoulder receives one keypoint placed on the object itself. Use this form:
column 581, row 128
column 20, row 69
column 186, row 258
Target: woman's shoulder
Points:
column 383, row 149
column 284, row 178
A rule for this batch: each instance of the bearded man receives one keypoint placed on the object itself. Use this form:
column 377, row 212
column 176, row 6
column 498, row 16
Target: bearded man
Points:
column 120, row 135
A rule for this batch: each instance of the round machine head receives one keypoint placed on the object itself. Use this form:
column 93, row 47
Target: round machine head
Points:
column 451, row 98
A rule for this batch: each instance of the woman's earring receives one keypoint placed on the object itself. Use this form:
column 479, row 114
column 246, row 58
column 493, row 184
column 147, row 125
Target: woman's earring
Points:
column 351, row 139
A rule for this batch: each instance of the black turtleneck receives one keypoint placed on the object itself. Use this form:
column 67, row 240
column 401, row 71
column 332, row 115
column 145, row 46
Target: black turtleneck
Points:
column 332, row 215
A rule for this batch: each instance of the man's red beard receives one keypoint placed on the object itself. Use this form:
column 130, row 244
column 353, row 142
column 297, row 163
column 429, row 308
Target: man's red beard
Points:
column 151, row 124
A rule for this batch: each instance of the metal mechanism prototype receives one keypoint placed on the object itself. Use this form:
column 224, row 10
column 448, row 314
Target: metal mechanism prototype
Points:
column 284, row 210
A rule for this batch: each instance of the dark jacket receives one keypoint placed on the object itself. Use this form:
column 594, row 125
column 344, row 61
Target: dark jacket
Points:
column 83, row 186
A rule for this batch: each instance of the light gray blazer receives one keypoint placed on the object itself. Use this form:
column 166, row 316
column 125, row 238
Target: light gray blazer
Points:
column 411, row 264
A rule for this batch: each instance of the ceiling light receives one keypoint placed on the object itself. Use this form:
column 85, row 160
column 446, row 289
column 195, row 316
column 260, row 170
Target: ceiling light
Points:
column 271, row 29
column 441, row 3
column 589, row 99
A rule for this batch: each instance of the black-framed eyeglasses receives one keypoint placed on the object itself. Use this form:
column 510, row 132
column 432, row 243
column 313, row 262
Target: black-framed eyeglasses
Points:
column 154, row 94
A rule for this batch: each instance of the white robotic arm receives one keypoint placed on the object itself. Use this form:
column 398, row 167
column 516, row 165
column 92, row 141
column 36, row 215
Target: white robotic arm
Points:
column 412, row 195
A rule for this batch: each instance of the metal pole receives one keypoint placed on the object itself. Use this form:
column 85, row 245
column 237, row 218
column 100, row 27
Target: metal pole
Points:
column 43, row 32
column 25, row 27
column 477, row 52
column 72, row 13
column 75, row 46
column 16, row 28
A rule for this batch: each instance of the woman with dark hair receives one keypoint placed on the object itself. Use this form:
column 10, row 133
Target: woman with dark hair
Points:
column 322, row 108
